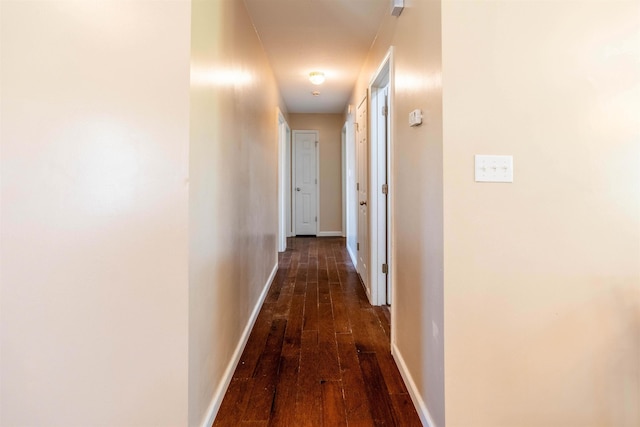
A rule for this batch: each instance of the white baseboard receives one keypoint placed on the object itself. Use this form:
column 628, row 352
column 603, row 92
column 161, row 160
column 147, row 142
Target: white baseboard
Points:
column 329, row 234
column 418, row 402
column 216, row 401
column 354, row 259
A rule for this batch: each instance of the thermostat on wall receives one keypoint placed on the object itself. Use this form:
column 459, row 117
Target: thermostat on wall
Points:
column 415, row 118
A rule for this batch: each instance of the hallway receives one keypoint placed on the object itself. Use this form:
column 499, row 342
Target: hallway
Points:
column 319, row 352
column 147, row 171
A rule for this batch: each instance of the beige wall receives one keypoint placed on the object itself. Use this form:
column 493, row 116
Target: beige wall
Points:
column 539, row 280
column 416, row 189
column 542, row 276
column 138, row 217
column 329, row 127
column 94, row 225
column 233, row 193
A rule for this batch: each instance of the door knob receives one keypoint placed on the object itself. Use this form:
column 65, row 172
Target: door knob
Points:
column 297, row 188
column 363, row 203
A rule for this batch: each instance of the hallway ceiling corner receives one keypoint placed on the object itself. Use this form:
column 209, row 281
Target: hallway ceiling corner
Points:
column 332, row 36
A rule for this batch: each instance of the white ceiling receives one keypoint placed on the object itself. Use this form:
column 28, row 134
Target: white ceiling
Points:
column 332, row 36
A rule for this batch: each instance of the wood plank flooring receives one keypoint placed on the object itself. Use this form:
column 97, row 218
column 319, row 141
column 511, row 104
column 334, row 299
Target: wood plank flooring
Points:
column 319, row 353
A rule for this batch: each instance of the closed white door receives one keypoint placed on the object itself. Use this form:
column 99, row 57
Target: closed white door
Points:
column 363, row 194
column 305, row 185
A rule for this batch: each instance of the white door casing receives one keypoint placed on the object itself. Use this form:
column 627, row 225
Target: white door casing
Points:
column 381, row 188
column 283, row 181
column 363, row 195
column 344, row 185
column 386, row 226
column 288, row 179
column 305, row 182
column 379, row 207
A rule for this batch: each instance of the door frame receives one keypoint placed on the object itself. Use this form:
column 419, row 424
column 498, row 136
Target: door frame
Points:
column 344, row 187
column 293, row 177
column 378, row 224
column 284, row 181
column 288, row 166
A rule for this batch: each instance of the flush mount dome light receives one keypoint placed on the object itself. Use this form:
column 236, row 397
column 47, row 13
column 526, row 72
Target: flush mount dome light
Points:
column 316, row 77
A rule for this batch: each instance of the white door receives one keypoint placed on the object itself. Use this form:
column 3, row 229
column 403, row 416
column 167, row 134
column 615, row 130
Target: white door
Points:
column 363, row 195
column 305, row 183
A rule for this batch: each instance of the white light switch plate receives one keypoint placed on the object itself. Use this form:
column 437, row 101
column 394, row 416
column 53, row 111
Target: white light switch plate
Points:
column 494, row 168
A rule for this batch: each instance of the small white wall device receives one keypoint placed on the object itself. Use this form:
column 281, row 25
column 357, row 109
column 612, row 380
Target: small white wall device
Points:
column 396, row 7
column 415, row 118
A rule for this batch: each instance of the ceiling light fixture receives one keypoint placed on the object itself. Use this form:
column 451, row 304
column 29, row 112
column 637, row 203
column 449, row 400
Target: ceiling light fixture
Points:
column 316, row 77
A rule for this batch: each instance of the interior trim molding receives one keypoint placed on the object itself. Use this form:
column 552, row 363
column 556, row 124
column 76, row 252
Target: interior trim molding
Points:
column 330, row 234
column 418, row 402
column 216, row 400
column 354, row 260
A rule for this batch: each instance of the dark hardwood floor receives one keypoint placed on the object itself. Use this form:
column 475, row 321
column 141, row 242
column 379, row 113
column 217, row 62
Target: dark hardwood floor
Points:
column 319, row 353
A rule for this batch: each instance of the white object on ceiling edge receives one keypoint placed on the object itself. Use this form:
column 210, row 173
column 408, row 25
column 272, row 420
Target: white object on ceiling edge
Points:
column 396, row 7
